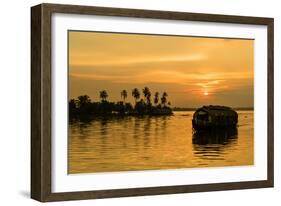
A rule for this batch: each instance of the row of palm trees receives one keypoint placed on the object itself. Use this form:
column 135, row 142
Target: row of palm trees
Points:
column 84, row 107
column 137, row 95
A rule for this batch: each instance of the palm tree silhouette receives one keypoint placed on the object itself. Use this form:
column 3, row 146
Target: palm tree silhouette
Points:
column 156, row 98
column 164, row 98
column 103, row 95
column 124, row 94
column 147, row 94
column 136, row 94
column 83, row 100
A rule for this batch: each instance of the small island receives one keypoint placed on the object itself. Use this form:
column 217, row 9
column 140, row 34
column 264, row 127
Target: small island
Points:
column 84, row 108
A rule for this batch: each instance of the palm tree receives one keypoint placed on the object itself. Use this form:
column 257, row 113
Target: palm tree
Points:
column 83, row 100
column 156, row 98
column 147, row 94
column 124, row 94
column 72, row 107
column 164, row 98
column 136, row 94
column 103, row 95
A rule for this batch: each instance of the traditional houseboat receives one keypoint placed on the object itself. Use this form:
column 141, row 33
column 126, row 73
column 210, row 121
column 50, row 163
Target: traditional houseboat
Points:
column 214, row 116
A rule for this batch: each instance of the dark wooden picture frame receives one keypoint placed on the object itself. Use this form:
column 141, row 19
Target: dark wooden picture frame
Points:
column 41, row 95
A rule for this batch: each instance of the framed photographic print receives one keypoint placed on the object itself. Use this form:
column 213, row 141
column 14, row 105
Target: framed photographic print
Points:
column 130, row 102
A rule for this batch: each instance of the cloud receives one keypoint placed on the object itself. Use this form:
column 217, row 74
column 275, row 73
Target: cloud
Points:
column 116, row 62
column 184, row 66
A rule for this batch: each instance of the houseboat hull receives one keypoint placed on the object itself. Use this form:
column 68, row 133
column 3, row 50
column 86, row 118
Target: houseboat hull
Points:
column 210, row 126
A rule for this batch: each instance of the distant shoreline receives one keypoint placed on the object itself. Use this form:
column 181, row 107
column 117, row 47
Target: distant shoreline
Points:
column 183, row 109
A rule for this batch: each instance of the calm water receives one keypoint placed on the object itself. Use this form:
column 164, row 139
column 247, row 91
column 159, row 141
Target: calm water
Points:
column 145, row 143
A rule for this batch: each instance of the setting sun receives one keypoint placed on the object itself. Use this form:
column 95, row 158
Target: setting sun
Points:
column 197, row 66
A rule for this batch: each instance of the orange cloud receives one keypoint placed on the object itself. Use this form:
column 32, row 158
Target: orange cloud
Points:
column 187, row 67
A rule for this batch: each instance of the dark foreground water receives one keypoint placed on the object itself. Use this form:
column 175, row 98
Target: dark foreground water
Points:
column 147, row 143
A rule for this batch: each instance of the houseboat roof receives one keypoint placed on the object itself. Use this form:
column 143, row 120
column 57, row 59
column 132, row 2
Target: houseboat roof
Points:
column 217, row 110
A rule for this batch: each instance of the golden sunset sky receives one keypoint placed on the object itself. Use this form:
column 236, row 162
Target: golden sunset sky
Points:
column 194, row 71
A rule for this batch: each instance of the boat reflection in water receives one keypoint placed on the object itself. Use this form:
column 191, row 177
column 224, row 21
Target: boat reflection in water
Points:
column 214, row 144
column 137, row 143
